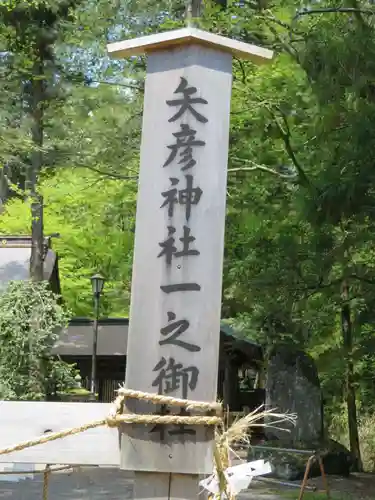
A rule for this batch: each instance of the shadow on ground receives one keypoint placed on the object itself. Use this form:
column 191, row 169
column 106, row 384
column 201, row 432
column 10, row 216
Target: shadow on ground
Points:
column 87, row 484
column 94, row 483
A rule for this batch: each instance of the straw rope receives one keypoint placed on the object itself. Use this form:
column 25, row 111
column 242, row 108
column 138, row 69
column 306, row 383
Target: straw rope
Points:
column 116, row 418
column 114, row 422
column 168, row 400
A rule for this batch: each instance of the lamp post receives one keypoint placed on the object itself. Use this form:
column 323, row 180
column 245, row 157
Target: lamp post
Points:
column 97, row 283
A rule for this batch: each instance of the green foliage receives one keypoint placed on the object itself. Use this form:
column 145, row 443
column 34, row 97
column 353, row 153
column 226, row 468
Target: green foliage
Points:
column 95, row 220
column 366, row 426
column 301, row 199
column 367, row 439
column 89, row 173
column 30, row 321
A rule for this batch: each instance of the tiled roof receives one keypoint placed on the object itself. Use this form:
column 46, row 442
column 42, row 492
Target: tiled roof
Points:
column 15, row 252
column 76, row 340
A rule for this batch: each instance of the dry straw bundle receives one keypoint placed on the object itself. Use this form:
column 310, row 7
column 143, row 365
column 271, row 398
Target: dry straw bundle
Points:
column 239, row 433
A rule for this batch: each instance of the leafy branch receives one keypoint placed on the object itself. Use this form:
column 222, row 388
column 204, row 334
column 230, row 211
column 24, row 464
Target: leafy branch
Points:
column 255, row 167
column 30, row 322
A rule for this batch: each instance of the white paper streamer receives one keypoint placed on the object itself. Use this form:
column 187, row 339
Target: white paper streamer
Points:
column 238, row 477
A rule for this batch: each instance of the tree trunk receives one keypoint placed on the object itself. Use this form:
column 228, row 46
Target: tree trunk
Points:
column 36, row 114
column 196, row 8
column 4, row 188
column 193, row 10
column 222, row 3
column 347, row 336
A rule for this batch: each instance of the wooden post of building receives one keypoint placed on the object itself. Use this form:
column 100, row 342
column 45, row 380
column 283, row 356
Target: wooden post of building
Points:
column 174, row 331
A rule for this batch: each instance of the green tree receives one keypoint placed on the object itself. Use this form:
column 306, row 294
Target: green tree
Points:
column 29, row 32
column 95, row 218
column 298, row 262
column 299, row 257
column 30, row 321
column 36, row 40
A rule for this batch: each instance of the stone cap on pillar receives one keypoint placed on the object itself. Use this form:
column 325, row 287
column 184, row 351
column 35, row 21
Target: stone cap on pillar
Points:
column 188, row 36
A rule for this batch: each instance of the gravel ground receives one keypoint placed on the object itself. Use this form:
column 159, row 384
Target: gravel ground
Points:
column 87, row 484
column 92, row 484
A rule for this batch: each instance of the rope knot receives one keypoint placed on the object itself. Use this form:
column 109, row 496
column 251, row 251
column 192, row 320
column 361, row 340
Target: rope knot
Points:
column 111, row 421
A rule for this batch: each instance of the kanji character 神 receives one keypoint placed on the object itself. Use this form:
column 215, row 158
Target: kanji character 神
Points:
column 188, row 196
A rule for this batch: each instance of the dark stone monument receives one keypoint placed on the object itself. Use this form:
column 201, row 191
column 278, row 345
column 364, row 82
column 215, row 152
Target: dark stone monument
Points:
column 293, row 386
